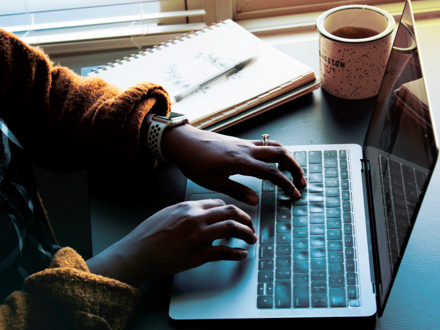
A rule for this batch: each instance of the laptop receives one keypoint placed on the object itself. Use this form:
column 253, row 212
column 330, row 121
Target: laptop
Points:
column 335, row 251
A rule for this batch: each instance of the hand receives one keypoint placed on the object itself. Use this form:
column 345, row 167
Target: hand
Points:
column 209, row 159
column 175, row 239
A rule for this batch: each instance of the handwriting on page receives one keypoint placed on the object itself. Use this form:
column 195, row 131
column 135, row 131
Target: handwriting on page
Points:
column 178, row 77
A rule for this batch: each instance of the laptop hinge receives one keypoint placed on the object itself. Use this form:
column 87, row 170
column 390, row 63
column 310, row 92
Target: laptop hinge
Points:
column 371, row 226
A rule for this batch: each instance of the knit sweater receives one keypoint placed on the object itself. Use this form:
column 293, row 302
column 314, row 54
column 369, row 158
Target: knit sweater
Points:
column 66, row 122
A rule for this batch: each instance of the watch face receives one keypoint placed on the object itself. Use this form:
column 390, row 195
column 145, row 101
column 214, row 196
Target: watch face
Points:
column 172, row 117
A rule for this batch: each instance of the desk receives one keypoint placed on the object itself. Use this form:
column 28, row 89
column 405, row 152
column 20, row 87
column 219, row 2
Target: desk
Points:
column 314, row 119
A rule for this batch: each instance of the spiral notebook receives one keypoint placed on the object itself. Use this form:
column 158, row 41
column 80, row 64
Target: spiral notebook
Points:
column 271, row 79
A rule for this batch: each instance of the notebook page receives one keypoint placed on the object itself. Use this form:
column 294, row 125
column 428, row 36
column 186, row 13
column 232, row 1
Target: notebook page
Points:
column 182, row 63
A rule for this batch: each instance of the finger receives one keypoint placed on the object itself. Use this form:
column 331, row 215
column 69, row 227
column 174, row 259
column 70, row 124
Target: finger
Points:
column 229, row 213
column 279, row 154
column 271, row 172
column 234, row 189
column 270, row 143
column 230, row 229
column 207, row 204
column 217, row 253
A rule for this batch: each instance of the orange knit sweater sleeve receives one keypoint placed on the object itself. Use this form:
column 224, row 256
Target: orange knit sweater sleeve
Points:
column 66, row 295
column 65, row 121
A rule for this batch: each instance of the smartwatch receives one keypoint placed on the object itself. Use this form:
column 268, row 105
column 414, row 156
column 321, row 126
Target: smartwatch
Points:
column 158, row 126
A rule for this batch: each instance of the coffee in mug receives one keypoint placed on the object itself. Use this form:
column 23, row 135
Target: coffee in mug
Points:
column 354, row 45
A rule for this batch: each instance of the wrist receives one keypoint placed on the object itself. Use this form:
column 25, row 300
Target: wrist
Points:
column 158, row 127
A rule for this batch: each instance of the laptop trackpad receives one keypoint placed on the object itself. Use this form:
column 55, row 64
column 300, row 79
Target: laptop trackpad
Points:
column 252, row 211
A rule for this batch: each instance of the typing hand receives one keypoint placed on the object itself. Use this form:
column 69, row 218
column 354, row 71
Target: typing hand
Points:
column 209, row 159
column 175, row 239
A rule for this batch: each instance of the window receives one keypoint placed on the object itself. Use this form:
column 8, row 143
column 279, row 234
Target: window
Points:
column 62, row 26
column 245, row 9
column 46, row 22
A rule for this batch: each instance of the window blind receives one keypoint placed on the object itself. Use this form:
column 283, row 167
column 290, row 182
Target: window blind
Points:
column 43, row 22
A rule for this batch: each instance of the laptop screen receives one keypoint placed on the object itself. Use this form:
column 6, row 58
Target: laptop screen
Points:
column 401, row 151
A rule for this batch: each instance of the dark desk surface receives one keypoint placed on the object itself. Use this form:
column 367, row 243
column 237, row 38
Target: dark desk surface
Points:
column 313, row 119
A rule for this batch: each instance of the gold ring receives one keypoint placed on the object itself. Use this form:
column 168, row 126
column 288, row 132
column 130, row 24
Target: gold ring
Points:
column 265, row 139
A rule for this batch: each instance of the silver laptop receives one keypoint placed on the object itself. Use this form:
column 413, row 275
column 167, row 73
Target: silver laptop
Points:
column 335, row 251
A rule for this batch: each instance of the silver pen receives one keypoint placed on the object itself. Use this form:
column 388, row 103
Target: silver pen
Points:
column 226, row 72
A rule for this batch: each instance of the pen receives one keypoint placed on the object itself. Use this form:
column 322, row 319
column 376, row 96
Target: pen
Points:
column 226, row 72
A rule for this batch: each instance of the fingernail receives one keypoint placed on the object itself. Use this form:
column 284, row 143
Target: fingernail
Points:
column 304, row 181
column 252, row 199
column 244, row 254
column 296, row 193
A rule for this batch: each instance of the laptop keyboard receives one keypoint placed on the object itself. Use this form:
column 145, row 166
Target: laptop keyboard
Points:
column 402, row 187
column 307, row 253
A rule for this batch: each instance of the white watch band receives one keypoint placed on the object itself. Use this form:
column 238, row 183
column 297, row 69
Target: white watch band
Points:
column 155, row 132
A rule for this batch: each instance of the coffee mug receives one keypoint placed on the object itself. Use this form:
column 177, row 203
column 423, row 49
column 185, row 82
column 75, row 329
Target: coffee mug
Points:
column 354, row 45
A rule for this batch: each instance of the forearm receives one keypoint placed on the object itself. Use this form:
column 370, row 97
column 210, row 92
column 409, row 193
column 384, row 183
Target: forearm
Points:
column 66, row 121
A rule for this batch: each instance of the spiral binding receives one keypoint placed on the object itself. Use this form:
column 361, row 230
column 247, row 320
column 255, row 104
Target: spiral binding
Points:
column 155, row 48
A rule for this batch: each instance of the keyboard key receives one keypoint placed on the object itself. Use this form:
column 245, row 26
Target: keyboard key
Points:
column 318, row 229
column 284, row 238
column 335, row 246
column 331, row 173
column 334, row 223
column 300, row 255
column 317, row 218
column 266, row 264
column 337, row 297
column 284, row 262
column 315, row 187
column 267, row 220
column 300, row 232
column 352, row 292
column 266, row 252
column 300, row 243
column 317, row 252
column 315, row 168
column 283, row 273
column 300, row 211
column 300, row 267
column 332, row 162
column 332, row 202
column 283, row 293
column 283, row 227
column 315, row 157
column 317, row 240
column 301, row 279
column 332, row 192
column 331, row 182
column 301, row 296
column 319, row 275
column 264, row 302
column 300, row 221
column 265, row 276
column 319, row 300
column 330, row 154
column 333, row 212
column 301, row 157
column 316, row 177
column 316, row 197
column 283, row 250
column 284, row 216
column 334, row 234
column 318, row 263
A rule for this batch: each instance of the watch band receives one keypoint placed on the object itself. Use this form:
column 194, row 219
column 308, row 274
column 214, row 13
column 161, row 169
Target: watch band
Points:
column 156, row 129
column 155, row 132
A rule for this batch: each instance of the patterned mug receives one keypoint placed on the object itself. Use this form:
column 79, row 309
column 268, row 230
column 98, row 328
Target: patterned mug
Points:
column 354, row 45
